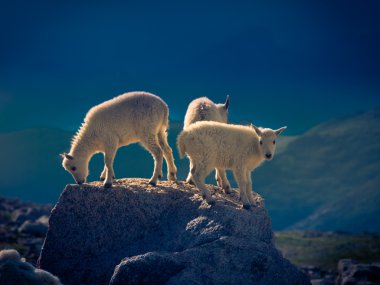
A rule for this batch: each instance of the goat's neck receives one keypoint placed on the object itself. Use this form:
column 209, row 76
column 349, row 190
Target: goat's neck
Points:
column 84, row 148
column 255, row 157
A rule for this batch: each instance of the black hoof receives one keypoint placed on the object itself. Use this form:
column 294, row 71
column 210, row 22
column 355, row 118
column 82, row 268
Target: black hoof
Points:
column 247, row 207
column 152, row 183
column 190, row 182
column 172, row 176
column 107, row 185
column 102, row 179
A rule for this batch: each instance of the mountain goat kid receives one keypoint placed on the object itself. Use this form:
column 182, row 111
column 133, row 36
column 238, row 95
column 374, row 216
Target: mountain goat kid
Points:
column 240, row 148
column 203, row 109
column 129, row 118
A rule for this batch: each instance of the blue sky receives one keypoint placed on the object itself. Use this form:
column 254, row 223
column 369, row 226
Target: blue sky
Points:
column 295, row 63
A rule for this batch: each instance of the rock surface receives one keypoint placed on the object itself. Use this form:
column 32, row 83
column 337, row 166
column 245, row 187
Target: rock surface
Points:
column 135, row 233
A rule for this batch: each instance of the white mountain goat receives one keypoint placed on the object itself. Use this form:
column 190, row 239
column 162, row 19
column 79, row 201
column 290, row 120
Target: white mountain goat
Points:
column 240, row 148
column 203, row 109
column 129, row 118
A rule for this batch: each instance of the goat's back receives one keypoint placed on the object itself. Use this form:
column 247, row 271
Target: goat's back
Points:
column 202, row 109
column 133, row 111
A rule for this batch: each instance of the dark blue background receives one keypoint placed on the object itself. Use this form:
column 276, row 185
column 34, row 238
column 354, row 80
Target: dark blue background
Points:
column 295, row 63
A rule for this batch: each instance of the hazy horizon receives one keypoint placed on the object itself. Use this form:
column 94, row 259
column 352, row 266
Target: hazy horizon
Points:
column 73, row 128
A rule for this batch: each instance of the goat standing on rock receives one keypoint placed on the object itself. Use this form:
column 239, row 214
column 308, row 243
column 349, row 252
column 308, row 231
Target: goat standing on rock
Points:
column 240, row 148
column 203, row 109
column 129, row 118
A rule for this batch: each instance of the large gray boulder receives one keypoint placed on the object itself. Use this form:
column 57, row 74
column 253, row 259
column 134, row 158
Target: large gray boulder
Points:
column 135, row 233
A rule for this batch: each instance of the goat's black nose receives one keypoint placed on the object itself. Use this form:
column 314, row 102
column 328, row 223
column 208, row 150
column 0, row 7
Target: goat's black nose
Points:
column 268, row 155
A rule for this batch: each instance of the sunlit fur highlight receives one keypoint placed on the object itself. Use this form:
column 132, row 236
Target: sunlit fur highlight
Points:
column 216, row 145
column 203, row 109
column 129, row 118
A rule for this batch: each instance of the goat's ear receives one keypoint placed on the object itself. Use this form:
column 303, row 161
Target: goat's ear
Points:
column 279, row 131
column 258, row 131
column 227, row 102
column 67, row 156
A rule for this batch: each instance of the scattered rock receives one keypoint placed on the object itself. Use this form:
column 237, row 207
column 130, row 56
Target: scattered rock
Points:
column 44, row 220
column 351, row 272
column 321, row 282
column 14, row 270
column 29, row 214
column 166, row 233
column 33, row 228
column 312, row 271
column 23, row 225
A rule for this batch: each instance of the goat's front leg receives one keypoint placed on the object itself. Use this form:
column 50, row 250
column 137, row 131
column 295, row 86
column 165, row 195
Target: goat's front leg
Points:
column 109, row 156
column 249, row 189
column 189, row 178
column 222, row 180
column 103, row 174
column 240, row 176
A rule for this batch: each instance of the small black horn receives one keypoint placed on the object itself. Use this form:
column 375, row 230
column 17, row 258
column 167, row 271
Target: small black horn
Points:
column 227, row 102
column 68, row 156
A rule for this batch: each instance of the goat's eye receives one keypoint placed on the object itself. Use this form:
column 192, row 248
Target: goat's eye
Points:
column 274, row 142
column 73, row 168
column 261, row 142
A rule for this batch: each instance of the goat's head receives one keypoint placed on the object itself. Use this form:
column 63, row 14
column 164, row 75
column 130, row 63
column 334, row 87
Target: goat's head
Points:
column 267, row 140
column 77, row 167
column 223, row 109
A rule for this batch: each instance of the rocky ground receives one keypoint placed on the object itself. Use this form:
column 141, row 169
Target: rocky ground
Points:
column 319, row 254
column 23, row 226
column 324, row 257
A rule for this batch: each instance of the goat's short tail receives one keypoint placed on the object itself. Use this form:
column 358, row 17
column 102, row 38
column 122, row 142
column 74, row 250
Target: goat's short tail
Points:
column 181, row 144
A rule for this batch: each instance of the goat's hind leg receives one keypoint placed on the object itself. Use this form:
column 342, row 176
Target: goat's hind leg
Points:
column 168, row 154
column 152, row 145
column 199, row 174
